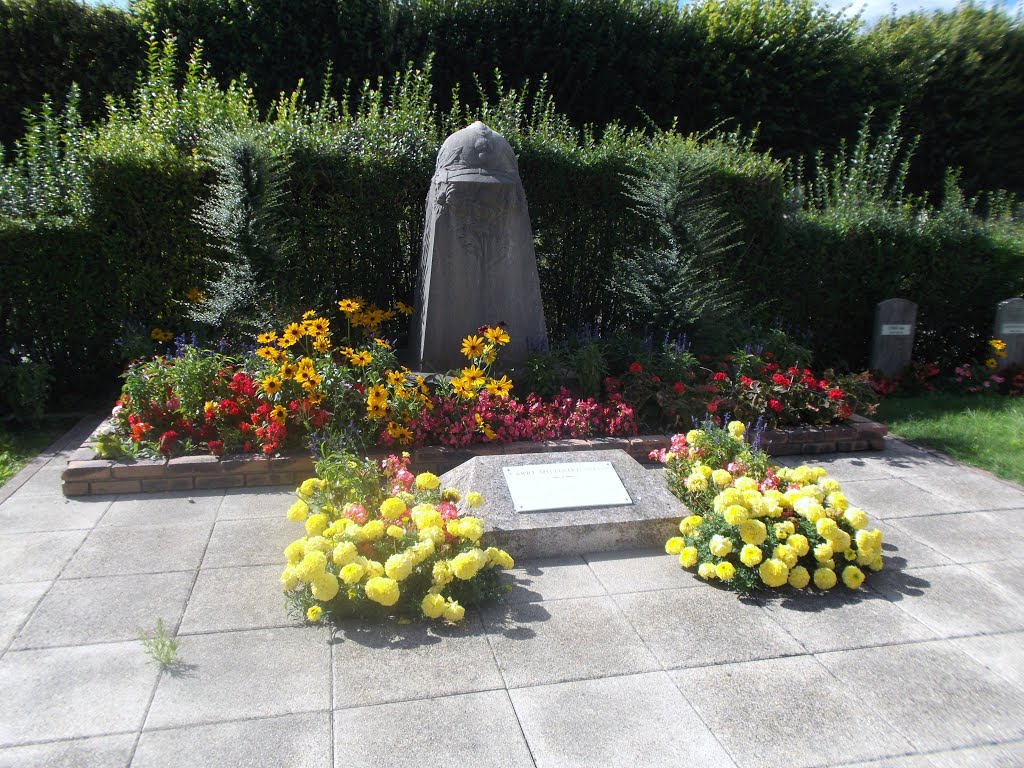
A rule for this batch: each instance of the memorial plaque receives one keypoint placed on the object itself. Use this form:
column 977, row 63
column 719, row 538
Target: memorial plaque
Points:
column 577, row 485
column 893, row 337
column 897, row 330
column 1009, row 327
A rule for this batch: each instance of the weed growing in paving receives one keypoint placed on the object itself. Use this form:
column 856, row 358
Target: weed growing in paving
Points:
column 161, row 646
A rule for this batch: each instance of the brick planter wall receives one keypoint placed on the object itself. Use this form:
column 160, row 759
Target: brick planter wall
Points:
column 86, row 475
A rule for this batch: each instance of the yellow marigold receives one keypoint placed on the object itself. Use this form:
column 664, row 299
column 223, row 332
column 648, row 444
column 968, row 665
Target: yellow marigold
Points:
column 707, row 571
column 442, row 573
column 853, row 576
column 392, row 508
column 466, row 565
column 799, row 543
column 453, row 612
column 499, row 558
column 433, row 606
column 773, row 572
column 690, row 524
column 317, row 544
column 736, row 514
column 427, row 481
column 343, row 554
column 720, row 546
column 750, row 555
column 857, row 518
column 823, row 552
column 315, row 524
column 297, row 512
column 827, row 527
column 395, row 531
column 786, row 554
column 736, row 429
column 721, row 478
column 696, row 437
column 314, row 613
column 398, row 567
column 725, row 570
column 324, row 586
column 295, row 551
column 674, row 545
column 799, row 577
column 745, row 484
column 311, row 566
column 289, row 580
column 383, row 590
column 696, row 483
column 310, row 486
column 373, row 530
column 352, row 573
column 824, row 578
column 688, row 557
column 470, row 528
column 753, row 532
column 474, row 499
column 837, row 501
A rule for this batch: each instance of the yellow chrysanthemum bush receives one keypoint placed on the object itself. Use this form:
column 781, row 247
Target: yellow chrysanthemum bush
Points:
column 380, row 540
column 755, row 525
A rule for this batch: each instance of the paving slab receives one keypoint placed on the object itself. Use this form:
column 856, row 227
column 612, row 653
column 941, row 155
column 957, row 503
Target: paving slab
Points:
column 97, row 752
column 695, row 627
column 24, row 514
column 553, row 578
column 994, row 756
column 45, row 482
column 630, row 720
column 896, row 498
column 969, row 537
column 17, row 601
column 36, row 556
column 839, row 620
column 428, row 660
column 933, row 693
column 65, row 693
column 971, row 489
column 258, row 541
column 1007, row 576
column 236, row 598
column 815, row 719
column 246, row 503
column 901, row 551
column 1003, row 654
column 104, row 609
column 164, row 508
column 951, row 600
column 478, row 729
column 234, row 675
column 140, row 549
column 537, row 643
column 907, row 761
column 291, row 741
column 640, row 570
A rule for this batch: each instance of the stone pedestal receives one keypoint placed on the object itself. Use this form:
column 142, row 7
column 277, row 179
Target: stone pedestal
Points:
column 1009, row 328
column 478, row 263
column 893, row 340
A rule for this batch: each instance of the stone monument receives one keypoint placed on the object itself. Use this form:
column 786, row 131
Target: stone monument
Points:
column 478, row 265
column 1009, row 328
column 893, row 340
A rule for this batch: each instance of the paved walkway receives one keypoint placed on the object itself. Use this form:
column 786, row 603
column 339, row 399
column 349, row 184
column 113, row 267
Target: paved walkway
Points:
column 609, row 660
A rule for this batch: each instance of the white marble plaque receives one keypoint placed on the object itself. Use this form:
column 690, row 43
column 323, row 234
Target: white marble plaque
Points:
column 1011, row 329
column 895, row 329
column 576, row 485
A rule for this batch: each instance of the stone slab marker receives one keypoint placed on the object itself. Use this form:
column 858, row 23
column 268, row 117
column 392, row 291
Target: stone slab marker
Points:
column 1009, row 327
column 893, row 340
column 478, row 266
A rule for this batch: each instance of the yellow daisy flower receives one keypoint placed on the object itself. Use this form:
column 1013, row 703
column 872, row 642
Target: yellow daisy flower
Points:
column 472, row 346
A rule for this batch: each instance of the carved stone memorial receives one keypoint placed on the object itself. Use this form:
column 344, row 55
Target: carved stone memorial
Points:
column 1009, row 328
column 478, row 265
column 893, row 341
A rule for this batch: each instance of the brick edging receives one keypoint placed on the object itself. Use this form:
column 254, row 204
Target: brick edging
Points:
column 88, row 476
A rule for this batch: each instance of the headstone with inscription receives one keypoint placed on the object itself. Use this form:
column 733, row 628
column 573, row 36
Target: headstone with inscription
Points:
column 478, row 265
column 893, row 341
column 550, row 504
column 1009, row 328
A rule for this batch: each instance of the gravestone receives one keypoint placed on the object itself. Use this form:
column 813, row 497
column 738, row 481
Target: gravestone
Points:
column 893, row 340
column 1009, row 328
column 551, row 504
column 478, row 266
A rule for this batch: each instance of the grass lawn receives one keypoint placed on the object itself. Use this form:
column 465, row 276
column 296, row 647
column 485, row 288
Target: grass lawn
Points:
column 20, row 444
column 984, row 431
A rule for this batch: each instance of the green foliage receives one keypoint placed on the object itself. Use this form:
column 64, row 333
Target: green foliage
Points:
column 48, row 45
column 24, row 389
column 161, row 645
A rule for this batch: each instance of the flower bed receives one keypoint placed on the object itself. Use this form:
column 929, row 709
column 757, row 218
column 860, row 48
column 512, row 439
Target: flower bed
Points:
column 87, row 474
column 386, row 545
column 754, row 525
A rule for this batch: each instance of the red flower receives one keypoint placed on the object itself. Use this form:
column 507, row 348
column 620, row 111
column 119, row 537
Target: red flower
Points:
column 216, row 447
column 780, row 380
column 746, row 381
column 720, row 376
column 679, row 387
column 635, row 367
column 775, row 405
column 835, row 394
column 712, row 406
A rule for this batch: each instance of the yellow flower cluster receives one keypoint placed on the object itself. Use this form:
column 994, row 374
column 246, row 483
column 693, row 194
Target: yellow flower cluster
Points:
column 795, row 529
column 351, row 554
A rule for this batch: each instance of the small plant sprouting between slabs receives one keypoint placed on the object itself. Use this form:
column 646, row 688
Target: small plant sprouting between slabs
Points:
column 161, row 646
